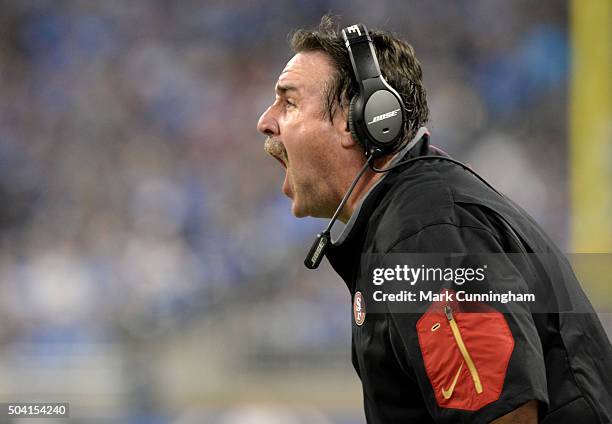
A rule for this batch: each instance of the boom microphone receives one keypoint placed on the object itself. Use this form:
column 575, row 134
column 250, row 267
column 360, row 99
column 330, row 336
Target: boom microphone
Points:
column 321, row 242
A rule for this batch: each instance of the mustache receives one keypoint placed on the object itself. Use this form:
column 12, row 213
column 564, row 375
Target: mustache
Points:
column 275, row 147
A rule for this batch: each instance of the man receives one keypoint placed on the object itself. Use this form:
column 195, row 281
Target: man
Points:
column 440, row 364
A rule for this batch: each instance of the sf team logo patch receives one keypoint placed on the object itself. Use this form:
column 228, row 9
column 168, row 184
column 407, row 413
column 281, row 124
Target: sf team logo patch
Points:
column 359, row 309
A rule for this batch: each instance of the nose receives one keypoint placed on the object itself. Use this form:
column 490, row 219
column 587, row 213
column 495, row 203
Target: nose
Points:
column 267, row 124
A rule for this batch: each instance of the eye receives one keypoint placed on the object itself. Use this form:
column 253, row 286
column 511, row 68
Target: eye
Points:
column 289, row 103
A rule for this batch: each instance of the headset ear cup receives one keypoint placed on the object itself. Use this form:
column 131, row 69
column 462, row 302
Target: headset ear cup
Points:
column 350, row 120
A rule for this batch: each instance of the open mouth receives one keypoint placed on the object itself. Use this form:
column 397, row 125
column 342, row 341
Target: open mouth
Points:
column 281, row 161
column 276, row 149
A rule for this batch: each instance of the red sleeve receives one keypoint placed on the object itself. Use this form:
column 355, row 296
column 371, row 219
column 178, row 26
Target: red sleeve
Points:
column 473, row 364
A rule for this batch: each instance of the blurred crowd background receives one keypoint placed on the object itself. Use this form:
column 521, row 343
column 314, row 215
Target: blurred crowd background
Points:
column 150, row 269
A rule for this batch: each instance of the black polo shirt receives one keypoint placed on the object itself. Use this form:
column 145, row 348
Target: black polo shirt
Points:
column 563, row 360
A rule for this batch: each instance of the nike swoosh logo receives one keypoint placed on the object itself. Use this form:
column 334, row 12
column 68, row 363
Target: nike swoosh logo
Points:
column 448, row 393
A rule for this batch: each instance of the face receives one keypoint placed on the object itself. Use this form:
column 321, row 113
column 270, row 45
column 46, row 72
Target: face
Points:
column 302, row 138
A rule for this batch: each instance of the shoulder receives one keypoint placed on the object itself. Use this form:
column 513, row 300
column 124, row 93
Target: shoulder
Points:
column 428, row 199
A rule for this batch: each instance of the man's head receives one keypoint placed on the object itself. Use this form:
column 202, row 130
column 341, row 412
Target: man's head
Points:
column 307, row 124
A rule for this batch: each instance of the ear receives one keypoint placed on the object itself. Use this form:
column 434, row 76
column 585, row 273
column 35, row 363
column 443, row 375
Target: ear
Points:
column 342, row 126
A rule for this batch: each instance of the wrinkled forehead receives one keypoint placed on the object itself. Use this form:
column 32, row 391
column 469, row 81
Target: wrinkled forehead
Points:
column 306, row 73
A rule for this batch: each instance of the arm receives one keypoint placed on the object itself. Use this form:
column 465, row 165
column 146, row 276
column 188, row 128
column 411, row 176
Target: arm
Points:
column 522, row 377
column 526, row 414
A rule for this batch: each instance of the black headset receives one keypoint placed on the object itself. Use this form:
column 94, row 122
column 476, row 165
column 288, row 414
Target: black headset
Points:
column 376, row 119
column 377, row 115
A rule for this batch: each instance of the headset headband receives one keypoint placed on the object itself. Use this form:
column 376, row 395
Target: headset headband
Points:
column 361, row 51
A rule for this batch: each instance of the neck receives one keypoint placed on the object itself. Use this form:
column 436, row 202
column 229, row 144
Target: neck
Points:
column 366, row 182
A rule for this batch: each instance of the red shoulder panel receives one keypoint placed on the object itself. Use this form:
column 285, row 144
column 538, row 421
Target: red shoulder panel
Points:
column 466, row 354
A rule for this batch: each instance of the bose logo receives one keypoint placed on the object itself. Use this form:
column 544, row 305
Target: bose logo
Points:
column 384, row 116
column 353, row 28
column 317, row 252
